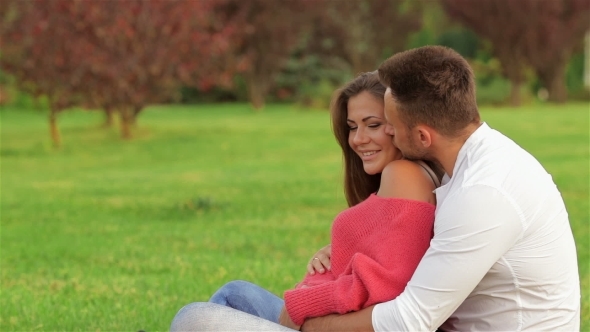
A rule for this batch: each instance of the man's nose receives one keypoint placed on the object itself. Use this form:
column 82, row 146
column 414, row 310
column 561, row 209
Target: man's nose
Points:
column 389, row 130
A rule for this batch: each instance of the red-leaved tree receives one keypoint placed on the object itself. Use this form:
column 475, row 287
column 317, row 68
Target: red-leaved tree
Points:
column 554, row 30
column 40, row 65
column 502, row 23
column 119, row 55
column 542, row 34
column 268, row 32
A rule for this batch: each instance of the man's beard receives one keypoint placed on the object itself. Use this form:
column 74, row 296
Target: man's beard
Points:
column 415, row 152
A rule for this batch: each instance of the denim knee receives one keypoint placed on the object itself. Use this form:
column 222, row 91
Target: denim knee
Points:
column 235, row 287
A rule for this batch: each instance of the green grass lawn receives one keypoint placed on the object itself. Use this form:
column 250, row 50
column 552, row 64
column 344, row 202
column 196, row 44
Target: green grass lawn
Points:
column 106, row 235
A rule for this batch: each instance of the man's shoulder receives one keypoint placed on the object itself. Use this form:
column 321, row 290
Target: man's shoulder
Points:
column 501, row 162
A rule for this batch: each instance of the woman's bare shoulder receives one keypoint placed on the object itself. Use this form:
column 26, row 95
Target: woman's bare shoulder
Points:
column 406, row 179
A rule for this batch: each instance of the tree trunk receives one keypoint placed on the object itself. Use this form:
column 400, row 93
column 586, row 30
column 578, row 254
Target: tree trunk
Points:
column 515, row 93
column 587, row 60
column 256, row 92
column 512, row 69
column 53, row 129
column 109, row 119
column 135, row 113
column 126, row 120
column 554, row 81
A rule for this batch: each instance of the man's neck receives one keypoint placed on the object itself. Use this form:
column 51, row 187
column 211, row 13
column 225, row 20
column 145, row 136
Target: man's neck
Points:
column 448, row 149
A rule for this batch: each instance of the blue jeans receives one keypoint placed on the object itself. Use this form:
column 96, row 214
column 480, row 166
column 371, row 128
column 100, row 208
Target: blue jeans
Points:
column 237, row 306
column 249, row 298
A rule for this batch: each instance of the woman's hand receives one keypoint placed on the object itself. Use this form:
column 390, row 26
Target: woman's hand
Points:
column 320, row 262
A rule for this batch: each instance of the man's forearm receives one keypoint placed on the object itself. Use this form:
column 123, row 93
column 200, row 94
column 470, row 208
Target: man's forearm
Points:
column 354, row 321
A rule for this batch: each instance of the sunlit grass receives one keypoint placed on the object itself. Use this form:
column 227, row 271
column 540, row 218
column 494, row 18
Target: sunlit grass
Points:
column 110, row 235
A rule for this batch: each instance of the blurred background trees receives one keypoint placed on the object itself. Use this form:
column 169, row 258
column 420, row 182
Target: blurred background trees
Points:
column 362, row 33
column 554, row 32
column 500, row 22
column 266, row 34
column 119, row 56
column 541, row 34
column 116, row 55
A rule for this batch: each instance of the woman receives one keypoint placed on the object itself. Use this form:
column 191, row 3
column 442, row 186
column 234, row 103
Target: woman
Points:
column 376, row 243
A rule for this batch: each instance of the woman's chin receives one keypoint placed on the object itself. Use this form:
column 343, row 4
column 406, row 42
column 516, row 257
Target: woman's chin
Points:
column 372, row 170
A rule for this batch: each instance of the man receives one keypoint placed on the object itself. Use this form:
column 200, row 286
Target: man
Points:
column 503, row 256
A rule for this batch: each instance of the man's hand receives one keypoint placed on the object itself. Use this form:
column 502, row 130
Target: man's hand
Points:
column 285, row 320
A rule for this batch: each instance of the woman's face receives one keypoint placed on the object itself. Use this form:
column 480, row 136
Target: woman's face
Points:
column 367, row 136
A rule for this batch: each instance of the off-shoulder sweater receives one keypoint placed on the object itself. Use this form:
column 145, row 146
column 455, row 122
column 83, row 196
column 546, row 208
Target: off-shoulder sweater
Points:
column 376, row 247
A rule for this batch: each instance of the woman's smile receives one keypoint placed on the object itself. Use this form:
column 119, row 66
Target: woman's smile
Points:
column 368, row 136
column 368, row 155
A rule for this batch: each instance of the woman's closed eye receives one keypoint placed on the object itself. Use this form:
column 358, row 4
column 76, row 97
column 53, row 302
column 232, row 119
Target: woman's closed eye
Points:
column 372, row 126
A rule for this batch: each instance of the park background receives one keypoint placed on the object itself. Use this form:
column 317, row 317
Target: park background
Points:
column 153, row 150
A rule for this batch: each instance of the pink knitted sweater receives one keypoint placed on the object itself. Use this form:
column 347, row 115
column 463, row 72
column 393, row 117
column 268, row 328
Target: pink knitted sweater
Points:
column 376, row 247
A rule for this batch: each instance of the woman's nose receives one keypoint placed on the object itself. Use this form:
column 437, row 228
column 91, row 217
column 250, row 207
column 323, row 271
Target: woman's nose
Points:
column 360, row 137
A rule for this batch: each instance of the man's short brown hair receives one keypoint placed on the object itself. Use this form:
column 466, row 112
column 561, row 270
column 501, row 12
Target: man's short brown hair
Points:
column 432, row 85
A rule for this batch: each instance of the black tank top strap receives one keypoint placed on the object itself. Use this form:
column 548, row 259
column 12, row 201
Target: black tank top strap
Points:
column 430, row 172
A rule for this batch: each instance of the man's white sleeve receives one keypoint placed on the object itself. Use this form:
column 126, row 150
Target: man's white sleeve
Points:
column 474, row 227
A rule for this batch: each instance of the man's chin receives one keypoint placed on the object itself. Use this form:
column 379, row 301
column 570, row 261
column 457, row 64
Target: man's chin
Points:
column 416, row 155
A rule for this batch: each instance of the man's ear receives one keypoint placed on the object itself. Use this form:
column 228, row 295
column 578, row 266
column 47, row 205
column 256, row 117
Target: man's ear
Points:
column 423, row 135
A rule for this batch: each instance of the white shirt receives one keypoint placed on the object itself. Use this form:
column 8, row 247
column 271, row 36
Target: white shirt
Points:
column 503, row 256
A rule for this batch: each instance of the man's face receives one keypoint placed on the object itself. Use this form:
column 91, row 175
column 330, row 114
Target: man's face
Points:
column 403, row 137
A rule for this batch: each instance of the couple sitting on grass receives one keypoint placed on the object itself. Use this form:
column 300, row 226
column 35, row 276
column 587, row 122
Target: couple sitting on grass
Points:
column 451, row 225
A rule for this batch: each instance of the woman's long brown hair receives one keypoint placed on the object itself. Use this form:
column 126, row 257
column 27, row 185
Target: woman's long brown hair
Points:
column 358, row 185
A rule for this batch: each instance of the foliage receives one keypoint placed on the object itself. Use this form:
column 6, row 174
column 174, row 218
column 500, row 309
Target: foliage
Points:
column 492, row 87
column 216, row 94
column 311, row 80
column 462, row 40
column 542, row 34
column 264, row 40
column 575, row 78
column 497, row 21
column 321, row 43
column 554, row 29
column 115, row 55
column 435, row 23
column 495, row 91
column 361, row 32
column 118, row 237
column 119, row 56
